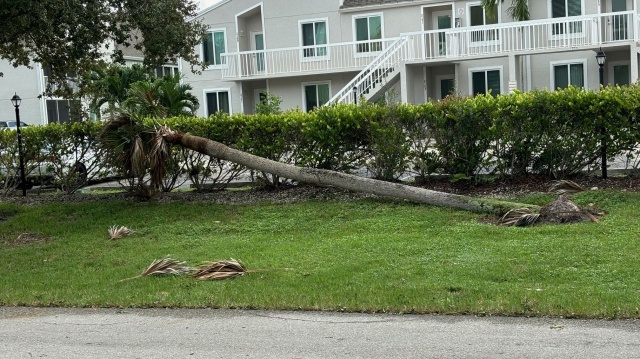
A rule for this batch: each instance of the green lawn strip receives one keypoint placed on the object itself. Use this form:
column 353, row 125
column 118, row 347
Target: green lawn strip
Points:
column 366, row 255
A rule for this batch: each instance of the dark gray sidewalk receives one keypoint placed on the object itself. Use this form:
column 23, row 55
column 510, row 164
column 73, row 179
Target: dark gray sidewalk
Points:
column 209, row 333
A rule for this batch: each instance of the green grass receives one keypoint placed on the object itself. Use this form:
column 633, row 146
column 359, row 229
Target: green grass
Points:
column 366, row 255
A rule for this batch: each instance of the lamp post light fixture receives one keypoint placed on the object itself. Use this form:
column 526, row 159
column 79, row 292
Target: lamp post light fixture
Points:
column 16, row 100
column 601, row 57
column 355, row 95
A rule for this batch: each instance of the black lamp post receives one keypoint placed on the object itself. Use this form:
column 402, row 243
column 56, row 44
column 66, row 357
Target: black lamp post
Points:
column 601, row 57
column 15, row 100
column 355, row 95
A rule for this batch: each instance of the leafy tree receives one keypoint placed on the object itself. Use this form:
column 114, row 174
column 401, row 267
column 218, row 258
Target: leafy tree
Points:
column 70, row 36
column 519, row 9
column 270, row 104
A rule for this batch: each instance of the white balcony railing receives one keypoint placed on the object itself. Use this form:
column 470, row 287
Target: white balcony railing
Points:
column 525, row 36
column 545, row 35
column 299, row 60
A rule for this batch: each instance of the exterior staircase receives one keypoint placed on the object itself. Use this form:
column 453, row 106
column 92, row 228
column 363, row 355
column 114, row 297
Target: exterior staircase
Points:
column 373, row 81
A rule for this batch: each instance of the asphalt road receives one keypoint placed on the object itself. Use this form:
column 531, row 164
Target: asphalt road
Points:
column 210, row 333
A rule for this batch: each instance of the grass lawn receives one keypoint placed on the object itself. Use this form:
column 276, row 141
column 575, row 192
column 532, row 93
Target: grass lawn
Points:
column 365, row 255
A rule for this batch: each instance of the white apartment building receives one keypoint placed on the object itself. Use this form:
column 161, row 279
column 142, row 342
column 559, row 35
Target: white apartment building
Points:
column 311, row 53
column 31, row 83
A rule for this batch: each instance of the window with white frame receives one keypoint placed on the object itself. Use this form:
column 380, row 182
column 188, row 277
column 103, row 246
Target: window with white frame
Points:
column 315, row 94
column 621, row 74
column 314, row 34
column 63, row 111
column 70, row 79
column 478, row 17
column 566, row 74
column 217, row 101
column 368, row 28
column 213, row 46
column 566, row 8
column 166, row 70
column 486, row 81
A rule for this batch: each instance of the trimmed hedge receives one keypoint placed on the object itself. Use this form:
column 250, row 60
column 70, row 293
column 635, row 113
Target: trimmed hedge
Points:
column 551, row 133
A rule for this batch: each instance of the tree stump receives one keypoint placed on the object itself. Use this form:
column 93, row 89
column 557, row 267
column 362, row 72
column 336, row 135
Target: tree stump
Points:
column 563, row 210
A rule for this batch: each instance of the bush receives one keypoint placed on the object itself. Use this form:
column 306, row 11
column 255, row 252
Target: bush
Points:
column 462, row 133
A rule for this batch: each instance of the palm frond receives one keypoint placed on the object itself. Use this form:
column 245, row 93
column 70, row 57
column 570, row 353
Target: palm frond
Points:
column 519, row 10
column 565, row 187
column 519, row 217
column 491, row 8
column 527, row 220
column 116, row 232
column 158, row 156
column 166, row 265
column 137, row 156
column 220, row 270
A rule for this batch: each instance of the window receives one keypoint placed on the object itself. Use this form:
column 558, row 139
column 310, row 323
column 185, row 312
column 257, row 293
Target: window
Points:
column 478, row 17
column 568, row 74
column 162, row 71
column 566, row 8
column 314, row 33
column 369, row 28
column 217, row 101
column 447, row 87
column 213, row 46
column 62, row 111
column 315, row 95
column 70, row 78
column 621, row 75
column 485, row 82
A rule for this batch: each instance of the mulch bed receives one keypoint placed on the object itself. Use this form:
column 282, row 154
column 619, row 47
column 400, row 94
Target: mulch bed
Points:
column 501, row 188
column 513, row 187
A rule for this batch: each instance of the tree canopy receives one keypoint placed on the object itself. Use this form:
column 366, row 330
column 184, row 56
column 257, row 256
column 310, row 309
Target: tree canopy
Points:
column 71, row 37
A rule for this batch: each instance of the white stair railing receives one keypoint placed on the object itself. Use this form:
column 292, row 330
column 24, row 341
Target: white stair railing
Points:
column 386, row 64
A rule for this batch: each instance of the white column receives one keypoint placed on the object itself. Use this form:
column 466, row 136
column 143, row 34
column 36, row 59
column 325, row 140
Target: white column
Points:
column 634, row 65
column 404, row 89
column 513, row 80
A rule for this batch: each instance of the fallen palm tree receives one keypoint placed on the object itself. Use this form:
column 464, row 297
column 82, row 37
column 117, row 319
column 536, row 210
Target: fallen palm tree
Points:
column 163, row 137
column 131, row 153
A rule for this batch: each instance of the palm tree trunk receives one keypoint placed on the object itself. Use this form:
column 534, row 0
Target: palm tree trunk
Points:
column 342, row 180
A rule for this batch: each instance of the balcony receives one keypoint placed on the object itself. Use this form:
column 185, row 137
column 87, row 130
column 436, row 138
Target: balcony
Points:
column 526, row 37
column 294, row 61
